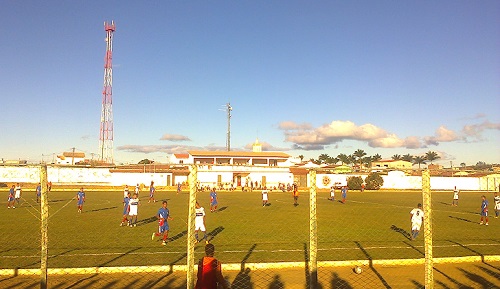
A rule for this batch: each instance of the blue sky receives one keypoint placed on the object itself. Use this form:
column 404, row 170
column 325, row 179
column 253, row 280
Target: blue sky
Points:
column 304, row 77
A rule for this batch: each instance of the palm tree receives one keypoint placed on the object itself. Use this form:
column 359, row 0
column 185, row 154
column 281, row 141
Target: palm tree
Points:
column 359, row 154
column 323, row 158
column 343, row 158
column 407, row 157
column 396, row 157
column 376, row 158
column 431, row 156
column 419, row 160
column 301, row 157
column 463, row 165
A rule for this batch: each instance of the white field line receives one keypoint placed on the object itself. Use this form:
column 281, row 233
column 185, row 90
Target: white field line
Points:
column 252, row 266
column 406, row 207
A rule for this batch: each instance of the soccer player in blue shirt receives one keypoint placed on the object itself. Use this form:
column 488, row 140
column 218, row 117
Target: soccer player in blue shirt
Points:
column 126, row 208
column 38, row 192
column 484, row 210
column 163, row 216
column 213, row 200
column 11, row 199
column 152, row 191
column 80, row 196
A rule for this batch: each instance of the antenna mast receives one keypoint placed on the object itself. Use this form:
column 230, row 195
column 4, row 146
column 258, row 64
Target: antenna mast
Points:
column 106, row 132
column 229, row 108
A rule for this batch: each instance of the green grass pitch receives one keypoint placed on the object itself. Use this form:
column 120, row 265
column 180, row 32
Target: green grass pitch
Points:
column 370, row 225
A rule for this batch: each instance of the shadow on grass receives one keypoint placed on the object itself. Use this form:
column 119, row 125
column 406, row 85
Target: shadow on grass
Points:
column 178, row 236
column 277, row 283
column 451, row 279
column 146, row 221
column 221, row 209
column 415, row 248
column 101, row 209
column 461, row 219
column 401, row 231
column 475, row 252
column 311, row 277
column 215, row 232
column 242, row 279
column 380, row 277
column 119, row 256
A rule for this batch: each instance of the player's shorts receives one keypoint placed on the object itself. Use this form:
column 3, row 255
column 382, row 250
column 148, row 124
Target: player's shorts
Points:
column 214, row 203
column 10, row 199
column 265, row 198
column 199, row 226
column 80, row 202
column 497, row 207
column 163, row 228
column 484, row 213
column 151, row 195
column 18, row 195
column 125, row 210
column 133, row 211
column 416, row 226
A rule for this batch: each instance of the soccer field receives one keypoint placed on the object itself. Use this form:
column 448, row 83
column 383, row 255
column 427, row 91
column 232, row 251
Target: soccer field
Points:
column 372, row 225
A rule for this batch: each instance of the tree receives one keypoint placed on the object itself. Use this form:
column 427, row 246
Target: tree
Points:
column 418, row 160
column 354, row 183
column 396, row 157
column 376, row 158
column 301, row 157
column 431, row 156
column 359, row 154
column 323, row 158
column 146, row 162
column 367, row 162
column 343, row 158
column 407, row 157
column 374, row 181
column 463, row 165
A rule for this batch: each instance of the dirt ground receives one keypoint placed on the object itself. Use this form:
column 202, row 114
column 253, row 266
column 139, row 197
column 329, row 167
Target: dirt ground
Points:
column 463, row 275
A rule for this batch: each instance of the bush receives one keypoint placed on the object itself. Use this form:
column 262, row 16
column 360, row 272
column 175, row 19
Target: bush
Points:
column 354, row 183
column 374, row 181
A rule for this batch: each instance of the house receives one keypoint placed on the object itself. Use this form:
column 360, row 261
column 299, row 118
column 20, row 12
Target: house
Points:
column 391, row 165
column 70, row 158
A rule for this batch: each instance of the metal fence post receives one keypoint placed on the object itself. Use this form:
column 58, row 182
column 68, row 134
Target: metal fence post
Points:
column 44, row 212
column 427, row 200
column 192, row 179
column 313, row 232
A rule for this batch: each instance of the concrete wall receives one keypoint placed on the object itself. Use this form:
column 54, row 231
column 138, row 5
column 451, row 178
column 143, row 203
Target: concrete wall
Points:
column 74, row 175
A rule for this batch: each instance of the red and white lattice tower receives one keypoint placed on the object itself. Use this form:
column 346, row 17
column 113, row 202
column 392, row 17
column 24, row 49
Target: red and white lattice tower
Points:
column 106, row 132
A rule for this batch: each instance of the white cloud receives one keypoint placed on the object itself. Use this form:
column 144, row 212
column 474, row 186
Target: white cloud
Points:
column 175, row 137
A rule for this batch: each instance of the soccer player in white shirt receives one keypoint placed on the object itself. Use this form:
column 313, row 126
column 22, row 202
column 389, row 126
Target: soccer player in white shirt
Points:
column 126, row 191
column 455, row 197
column 133, row 206
column 265, row 196
column 199, row 222
column 417, row 218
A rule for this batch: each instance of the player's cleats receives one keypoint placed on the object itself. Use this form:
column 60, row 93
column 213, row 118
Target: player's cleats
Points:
column 163, row 243
column 481, row 223
column 153, row 236
column 135, row 225
column 486, row 224
column 206, row 241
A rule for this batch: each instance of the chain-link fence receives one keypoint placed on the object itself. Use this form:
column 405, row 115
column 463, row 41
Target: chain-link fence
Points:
column 265, row 237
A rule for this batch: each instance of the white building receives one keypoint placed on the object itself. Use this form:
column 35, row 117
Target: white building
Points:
column 70, row 158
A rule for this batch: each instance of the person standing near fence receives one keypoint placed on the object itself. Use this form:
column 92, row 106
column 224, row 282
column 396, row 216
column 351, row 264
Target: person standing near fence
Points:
column 18, row 193
column 152, row 191
column 497, row 204
column 11, row 200
column 163, row 216
column 265, row 197
column 332, row 193
column 210, row 271
column 199, row 223
column 133, row 210
column 417, row 218
column 484, row 210
column 137, row 188
column 455, row 197
column 38, row 192
column 80, row 197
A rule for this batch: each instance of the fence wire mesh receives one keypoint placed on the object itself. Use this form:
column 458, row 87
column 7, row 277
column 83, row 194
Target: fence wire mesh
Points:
column 264, row 237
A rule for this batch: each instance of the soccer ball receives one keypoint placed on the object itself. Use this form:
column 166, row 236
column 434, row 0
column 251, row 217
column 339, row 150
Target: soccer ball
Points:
column 358, row 270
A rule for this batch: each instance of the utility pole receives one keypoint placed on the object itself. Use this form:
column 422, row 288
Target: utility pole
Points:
column 106, row 132
column 229, row 108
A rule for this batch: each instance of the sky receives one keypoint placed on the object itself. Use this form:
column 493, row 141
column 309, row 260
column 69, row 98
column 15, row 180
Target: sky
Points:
column 303, row 77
